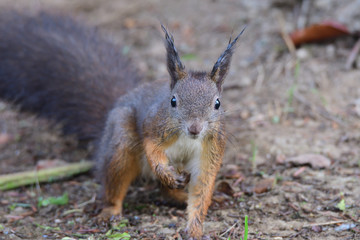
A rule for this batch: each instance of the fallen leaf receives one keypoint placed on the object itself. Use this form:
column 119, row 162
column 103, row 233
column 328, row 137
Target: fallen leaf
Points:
column 238, row 194
column 225, row 187
column 314, row 160
column 219, row 198
column 280, row 159
column 4, row 138
column 341, row 205
column 316, row 229
column 12, row 218
column 319, row 32
column 62, row 200
column 233, row 172
column 264, row 185
column 345, row 227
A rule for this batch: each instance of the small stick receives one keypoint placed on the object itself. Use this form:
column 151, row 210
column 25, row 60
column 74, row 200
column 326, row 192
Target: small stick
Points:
column 289, row 43
column 353, row 54
column 229, row 229
column 325, row 223
column 15, row 180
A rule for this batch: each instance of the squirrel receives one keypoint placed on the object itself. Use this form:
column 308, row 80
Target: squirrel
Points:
column 171, row 130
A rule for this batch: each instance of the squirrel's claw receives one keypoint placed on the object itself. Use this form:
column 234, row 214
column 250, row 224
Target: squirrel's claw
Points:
column 182, row 180
column 107, row 215
column 179, row 180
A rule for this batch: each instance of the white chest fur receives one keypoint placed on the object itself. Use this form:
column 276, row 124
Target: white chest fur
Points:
column 185, row 154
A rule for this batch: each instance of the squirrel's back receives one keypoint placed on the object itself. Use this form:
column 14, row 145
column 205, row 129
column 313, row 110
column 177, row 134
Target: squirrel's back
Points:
column 54, row 66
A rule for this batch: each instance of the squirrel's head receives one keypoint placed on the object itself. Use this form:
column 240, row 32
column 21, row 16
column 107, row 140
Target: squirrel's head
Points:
column 195, row 99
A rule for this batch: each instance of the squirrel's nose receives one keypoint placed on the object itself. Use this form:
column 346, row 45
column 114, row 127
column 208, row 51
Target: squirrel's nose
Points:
column 195, row 128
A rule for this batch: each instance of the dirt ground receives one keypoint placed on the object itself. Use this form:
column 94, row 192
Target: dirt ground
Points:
column 279, row 106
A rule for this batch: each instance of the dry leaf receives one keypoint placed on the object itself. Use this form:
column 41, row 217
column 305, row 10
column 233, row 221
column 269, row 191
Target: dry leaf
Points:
column 4, row 138
column 314, row 160
column 219, row 198
column 280, row 159
column 319, row 32
column 233, row 172
column 264, row 185
column 225, row 187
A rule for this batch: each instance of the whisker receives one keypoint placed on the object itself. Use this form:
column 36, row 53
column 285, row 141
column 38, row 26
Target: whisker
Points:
column 220, row 132
column 233, row 110
column 173, row 131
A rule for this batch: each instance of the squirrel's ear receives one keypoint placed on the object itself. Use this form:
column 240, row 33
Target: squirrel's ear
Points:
column 222, row 65
column 175, row 67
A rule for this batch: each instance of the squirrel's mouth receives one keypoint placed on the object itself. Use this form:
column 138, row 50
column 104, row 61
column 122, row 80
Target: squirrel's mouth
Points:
column 192, row 136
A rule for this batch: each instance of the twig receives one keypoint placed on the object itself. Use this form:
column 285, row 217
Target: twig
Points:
column 353, row 54
column 229, row 229
column 14, row 180
column 260, row 78
column 325, row 223
column 293, row 207
column 92, row 200
column 290, row 45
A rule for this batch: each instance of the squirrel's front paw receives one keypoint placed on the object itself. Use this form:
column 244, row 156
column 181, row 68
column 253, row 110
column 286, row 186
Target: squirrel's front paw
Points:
column 180, row 180
column 171, row 178
column 108, row 214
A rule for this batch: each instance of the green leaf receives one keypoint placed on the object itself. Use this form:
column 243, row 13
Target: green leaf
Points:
column 246, row 228
column 62, row 200
column 119, row 236
column 108, row 233
column 341, row 205
column 121, row 224
column 47, row 227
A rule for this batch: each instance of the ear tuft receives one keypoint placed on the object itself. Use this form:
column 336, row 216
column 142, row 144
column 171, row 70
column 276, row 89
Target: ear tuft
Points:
column 175, row 67
column 222, row 65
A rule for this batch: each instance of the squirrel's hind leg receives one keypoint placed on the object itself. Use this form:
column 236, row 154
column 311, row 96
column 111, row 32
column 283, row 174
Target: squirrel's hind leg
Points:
column 118, row 160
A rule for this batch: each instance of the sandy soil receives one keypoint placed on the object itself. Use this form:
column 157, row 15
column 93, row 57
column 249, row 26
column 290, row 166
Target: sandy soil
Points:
column 279, row 106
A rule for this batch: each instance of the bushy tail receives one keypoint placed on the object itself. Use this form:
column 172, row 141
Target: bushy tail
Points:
column 59, row 69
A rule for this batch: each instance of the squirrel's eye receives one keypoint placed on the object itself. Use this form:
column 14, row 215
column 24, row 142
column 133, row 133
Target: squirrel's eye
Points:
column 173, row 101
column 217, row 104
